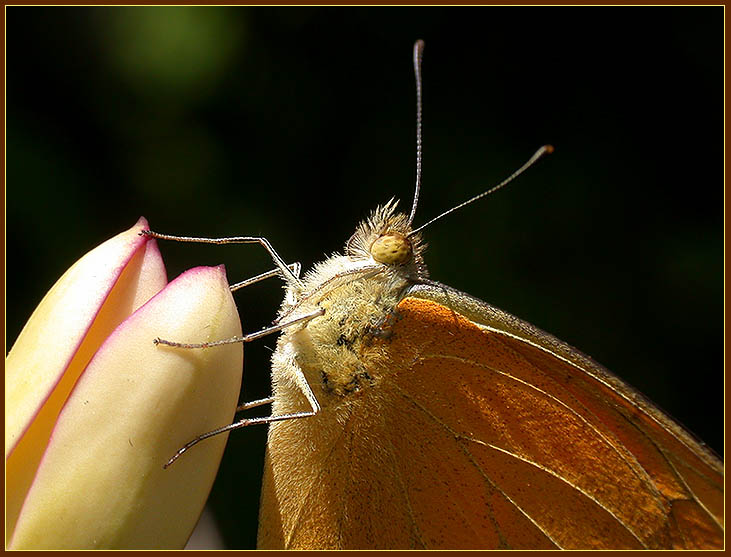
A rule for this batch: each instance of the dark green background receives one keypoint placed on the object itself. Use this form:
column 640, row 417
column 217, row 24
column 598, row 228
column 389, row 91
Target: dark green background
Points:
column 294, row 123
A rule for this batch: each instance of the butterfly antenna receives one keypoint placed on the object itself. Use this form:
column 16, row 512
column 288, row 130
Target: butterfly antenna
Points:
column 545, row 150
column 418, row 55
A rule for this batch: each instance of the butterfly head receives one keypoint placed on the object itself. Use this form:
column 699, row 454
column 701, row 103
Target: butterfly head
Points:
column 385, row 238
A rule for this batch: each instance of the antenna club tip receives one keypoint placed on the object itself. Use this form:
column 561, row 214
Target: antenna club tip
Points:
column 548, row 149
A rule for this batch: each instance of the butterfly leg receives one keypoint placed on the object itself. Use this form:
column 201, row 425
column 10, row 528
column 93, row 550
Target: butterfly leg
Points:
column 294, row 267
column 306, row 390
column 254, row 404
column 246, row 338
column 278, row 261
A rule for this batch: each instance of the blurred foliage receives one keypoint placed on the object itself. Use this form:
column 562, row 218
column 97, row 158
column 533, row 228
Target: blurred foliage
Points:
column 292, row 123
column 174, row 54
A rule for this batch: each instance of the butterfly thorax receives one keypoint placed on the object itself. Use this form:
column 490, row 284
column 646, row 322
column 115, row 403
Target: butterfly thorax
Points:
column 358, row 292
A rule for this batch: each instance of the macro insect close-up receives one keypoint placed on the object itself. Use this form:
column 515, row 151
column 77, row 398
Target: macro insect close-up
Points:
column 417, row 415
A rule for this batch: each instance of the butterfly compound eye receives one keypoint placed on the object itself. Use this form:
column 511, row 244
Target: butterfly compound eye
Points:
column 392, row 249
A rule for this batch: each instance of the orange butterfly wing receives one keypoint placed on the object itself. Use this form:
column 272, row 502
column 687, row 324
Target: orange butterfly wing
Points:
column 492, row 436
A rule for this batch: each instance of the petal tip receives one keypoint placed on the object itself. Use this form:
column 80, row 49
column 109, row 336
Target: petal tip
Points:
column 142, row 223
column 214, row 274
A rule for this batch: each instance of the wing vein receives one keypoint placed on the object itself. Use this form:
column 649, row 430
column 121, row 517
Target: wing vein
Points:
column 481, row 472
column 637, row 469
column 626, row 392
column 405, row 492
column 522, row 459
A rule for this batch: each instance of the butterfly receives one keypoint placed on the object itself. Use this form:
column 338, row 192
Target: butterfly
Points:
column 408, row 414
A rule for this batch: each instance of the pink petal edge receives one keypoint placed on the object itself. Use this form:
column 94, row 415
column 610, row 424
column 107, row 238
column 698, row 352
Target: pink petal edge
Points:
column 136, row 243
